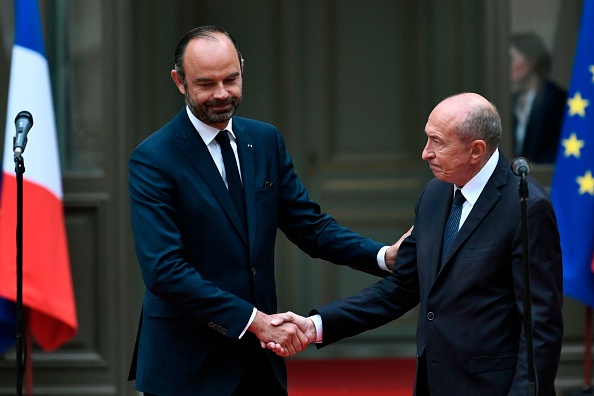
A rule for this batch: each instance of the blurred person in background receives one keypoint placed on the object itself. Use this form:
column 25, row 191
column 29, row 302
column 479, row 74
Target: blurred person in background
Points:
column 538, row 103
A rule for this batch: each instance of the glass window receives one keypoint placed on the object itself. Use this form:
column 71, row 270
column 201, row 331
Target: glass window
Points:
column 74, row 44
column 541, row 52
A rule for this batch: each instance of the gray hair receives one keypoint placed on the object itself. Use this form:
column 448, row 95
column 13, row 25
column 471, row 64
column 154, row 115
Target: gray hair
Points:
column 484, row 123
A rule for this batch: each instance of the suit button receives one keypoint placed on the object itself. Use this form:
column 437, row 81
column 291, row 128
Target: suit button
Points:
column 224, row 331
column 254, row 271
column 210, row 324
column 430, row 315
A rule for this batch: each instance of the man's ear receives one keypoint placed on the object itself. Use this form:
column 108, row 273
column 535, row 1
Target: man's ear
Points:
column 178, row 81
column 478, row 151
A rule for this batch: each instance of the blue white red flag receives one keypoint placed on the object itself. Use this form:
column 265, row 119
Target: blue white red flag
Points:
column 48, row 296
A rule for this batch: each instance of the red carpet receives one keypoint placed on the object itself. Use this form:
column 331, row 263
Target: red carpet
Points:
column 352, row 377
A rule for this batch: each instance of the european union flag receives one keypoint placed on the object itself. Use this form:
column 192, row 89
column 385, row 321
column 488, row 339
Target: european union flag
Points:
column 573, row 182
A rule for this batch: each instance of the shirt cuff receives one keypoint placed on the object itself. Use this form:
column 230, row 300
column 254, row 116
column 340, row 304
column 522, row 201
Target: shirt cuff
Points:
column 381, row 258
column 317, row 321
column 249, row 322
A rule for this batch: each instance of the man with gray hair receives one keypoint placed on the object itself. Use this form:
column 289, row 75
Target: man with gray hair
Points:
column 465, row 268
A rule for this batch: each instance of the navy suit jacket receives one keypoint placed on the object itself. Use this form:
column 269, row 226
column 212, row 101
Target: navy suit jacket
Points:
column 203, row 273
column 471, row 322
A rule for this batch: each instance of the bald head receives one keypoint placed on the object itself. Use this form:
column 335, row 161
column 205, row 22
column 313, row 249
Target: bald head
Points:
column 472, row 117
column 459, row 106
column 463, row 131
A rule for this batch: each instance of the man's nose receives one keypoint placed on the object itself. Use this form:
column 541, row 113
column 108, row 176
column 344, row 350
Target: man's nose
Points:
column 220, row 92
column 427, row 153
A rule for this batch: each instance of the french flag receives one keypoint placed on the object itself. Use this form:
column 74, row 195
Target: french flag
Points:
column 48, row 295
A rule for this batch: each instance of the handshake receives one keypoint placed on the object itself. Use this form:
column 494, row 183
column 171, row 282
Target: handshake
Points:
column 285, row 333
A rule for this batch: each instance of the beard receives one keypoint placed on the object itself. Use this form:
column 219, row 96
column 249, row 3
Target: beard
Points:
column 205, row 112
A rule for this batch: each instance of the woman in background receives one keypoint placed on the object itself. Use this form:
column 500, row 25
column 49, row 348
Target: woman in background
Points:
column 539, row 103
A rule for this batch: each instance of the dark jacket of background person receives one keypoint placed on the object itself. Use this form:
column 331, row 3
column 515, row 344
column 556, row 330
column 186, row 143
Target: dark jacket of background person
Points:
column 531, row 64
column 545, row 121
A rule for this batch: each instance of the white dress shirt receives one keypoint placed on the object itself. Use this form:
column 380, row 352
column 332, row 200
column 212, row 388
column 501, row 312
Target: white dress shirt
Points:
column 208, row 134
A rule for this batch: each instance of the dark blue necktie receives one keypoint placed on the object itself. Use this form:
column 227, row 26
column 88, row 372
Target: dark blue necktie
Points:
column 233, row 180
column 451, row 228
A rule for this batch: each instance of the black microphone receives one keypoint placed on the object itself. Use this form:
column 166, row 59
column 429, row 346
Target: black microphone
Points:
column 23, row 123
column 520, row 166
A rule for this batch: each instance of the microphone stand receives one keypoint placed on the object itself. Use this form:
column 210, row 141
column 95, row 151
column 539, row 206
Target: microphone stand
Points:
column 532, row 384
column 20, row 324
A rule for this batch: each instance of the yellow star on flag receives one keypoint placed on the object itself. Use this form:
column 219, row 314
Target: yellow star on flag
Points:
column 586, row 183
column 572, row 145
column 577, row 105
column 592, row 71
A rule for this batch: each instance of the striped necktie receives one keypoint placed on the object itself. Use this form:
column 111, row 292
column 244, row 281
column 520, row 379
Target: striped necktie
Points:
column 453, row 224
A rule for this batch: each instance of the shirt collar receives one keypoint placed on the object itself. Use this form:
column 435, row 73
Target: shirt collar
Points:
column 473, row 189
column 206, row 132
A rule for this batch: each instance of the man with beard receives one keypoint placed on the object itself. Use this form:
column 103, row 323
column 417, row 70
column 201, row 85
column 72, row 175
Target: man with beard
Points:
column 204, row 233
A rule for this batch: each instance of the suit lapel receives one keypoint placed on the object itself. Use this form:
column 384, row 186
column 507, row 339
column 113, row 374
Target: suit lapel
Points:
column 246, row 153
column 444, row 211
column 198, row 155
column 488, row 198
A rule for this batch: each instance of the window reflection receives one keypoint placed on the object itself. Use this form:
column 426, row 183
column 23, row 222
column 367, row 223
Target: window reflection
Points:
column 538, row 102
column 74, row 50
column 541, row 54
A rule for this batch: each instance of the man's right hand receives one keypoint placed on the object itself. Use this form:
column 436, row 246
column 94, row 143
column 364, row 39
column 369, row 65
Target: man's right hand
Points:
column 390, row 255
column 285, row 339
column 305, row 325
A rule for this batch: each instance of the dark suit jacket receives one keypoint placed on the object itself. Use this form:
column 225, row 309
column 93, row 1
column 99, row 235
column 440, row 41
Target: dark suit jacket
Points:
column 545, row 122
column 471, row 311
column 202, row 272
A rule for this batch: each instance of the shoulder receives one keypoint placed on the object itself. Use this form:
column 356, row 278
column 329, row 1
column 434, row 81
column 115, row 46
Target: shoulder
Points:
column 258, row 132
column 536, row 190
column 253, row 125
column 167, row 141
column 553, row 92
column 537, row 193
column 179, row 126
column 434, row 191
column 435, row 185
